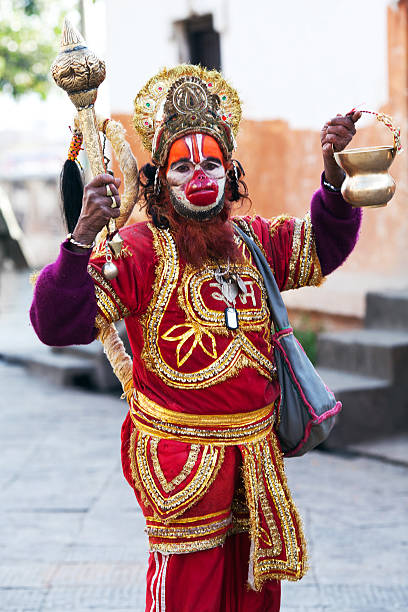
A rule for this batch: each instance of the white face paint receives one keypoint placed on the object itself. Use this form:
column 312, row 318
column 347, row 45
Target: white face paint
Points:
column 196, row 176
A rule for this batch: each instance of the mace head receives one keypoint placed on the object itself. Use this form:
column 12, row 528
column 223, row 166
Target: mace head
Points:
column 76, row 69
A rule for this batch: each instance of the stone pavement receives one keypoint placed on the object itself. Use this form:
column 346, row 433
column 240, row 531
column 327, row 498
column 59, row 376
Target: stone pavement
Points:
column 71, row 535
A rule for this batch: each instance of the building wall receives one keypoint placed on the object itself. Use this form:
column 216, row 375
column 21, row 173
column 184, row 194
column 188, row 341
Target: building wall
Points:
column 295, row 69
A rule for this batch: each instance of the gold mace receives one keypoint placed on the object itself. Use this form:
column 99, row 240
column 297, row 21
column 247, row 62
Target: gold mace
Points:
column 79, row 72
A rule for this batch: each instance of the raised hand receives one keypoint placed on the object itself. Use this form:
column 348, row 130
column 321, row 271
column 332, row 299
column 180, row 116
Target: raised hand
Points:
column 96, row 208
column 335, row 135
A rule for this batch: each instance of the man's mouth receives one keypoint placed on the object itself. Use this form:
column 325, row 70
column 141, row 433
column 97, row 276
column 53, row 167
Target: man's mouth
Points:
column 202, row 196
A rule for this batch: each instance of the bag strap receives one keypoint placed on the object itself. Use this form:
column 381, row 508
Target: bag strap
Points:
column 277, row 308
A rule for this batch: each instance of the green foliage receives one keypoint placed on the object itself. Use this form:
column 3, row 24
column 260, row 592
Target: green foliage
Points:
column 308, row 339
column 29, row 41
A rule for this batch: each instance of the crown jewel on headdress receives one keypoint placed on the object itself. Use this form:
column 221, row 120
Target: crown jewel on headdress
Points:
column 182, row 100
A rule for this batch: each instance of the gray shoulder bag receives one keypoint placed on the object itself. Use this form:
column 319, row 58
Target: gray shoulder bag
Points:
column 307, row 408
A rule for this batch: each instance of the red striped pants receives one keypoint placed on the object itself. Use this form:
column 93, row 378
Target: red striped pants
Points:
column 212, row 580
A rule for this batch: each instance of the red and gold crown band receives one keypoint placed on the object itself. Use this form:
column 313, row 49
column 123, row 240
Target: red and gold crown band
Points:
column 182, row 100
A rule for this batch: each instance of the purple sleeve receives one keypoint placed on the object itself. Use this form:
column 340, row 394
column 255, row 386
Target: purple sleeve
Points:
column 64, row 305
column 336, row 225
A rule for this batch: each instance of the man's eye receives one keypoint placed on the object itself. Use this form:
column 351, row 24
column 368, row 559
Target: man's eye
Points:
column 183, row 168
column 209, row 165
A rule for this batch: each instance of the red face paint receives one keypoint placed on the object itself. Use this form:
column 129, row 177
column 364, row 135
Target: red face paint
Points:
column 201, row 190
column 196, row 165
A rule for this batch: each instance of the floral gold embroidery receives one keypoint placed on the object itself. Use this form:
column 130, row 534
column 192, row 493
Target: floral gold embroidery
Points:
column 193, row 329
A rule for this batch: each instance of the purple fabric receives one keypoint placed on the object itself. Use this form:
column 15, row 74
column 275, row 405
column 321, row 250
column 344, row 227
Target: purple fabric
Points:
column 64, row 306
column 336, row 226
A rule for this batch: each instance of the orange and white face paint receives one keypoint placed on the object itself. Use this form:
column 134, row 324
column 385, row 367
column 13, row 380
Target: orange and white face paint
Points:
column 196, row 176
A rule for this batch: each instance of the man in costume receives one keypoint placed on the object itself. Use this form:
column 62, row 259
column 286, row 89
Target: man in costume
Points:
column 199, row 446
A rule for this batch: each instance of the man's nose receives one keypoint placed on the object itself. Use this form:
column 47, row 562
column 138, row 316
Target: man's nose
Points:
column 200, row 174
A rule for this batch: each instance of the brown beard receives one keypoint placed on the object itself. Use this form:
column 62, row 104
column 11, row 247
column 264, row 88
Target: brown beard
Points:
column 199, row 242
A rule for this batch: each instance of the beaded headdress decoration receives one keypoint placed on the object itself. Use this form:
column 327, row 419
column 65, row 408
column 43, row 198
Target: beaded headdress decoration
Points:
column 182, row 100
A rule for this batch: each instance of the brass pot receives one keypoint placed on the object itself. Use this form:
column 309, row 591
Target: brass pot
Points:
column 367, row 181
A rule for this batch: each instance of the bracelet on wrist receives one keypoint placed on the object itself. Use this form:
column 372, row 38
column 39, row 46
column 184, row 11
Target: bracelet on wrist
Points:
column 330, row 187
column 72, row 240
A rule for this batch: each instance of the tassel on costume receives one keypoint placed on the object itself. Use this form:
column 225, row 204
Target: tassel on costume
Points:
column 71, row 184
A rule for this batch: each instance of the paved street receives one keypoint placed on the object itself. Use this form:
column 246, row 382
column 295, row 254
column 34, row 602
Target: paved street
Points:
column 71, row 535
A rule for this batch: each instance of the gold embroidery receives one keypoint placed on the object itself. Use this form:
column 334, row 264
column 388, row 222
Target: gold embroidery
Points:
column 186, row 547
column 150, row 418
column 106, row 305
column 273, row 538
column 191, row 301
column 100, row 251
column 108, row 301
column 194, row 531
column 296, row 244
column 188, row 466
column 193, row 329
column 192, row 519
column 174, row 505
column 240, row 352
column 248, row 229
column 317, row 276
column 275, row 224
column 238, row 419
column 258, row 465
column 101, row 323
column 304, row 265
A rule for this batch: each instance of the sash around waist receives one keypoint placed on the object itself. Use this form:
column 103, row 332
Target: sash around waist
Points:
column 222, row 429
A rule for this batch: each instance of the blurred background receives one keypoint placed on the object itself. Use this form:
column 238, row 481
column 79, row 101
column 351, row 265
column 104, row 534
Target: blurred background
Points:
column 295, row 65
column 64, row 535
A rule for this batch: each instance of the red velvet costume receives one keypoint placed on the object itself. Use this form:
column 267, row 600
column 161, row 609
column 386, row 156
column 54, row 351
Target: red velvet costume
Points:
column 201, row 391
column 199, row 445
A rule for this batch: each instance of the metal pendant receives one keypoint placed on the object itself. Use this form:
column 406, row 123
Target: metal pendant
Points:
column 241, row 285
column 115, row 244
column 231, row 318
column 229, row 289
column 109, row 270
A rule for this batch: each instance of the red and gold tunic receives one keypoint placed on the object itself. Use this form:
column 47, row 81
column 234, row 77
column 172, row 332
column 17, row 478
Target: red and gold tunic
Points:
column 204, row 396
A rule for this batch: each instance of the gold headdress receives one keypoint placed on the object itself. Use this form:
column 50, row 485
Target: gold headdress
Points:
column 182, row 100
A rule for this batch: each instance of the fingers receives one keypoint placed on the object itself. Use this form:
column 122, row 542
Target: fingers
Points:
column 100, row 188
column 102, row 179
column 327, row 148
column 346, row 121
column 356, row 116
column 339, row 130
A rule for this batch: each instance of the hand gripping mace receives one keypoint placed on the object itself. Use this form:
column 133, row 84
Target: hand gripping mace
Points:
column 79, row 72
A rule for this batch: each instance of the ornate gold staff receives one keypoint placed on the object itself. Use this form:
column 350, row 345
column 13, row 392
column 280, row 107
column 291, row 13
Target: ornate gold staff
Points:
column 78, row 71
